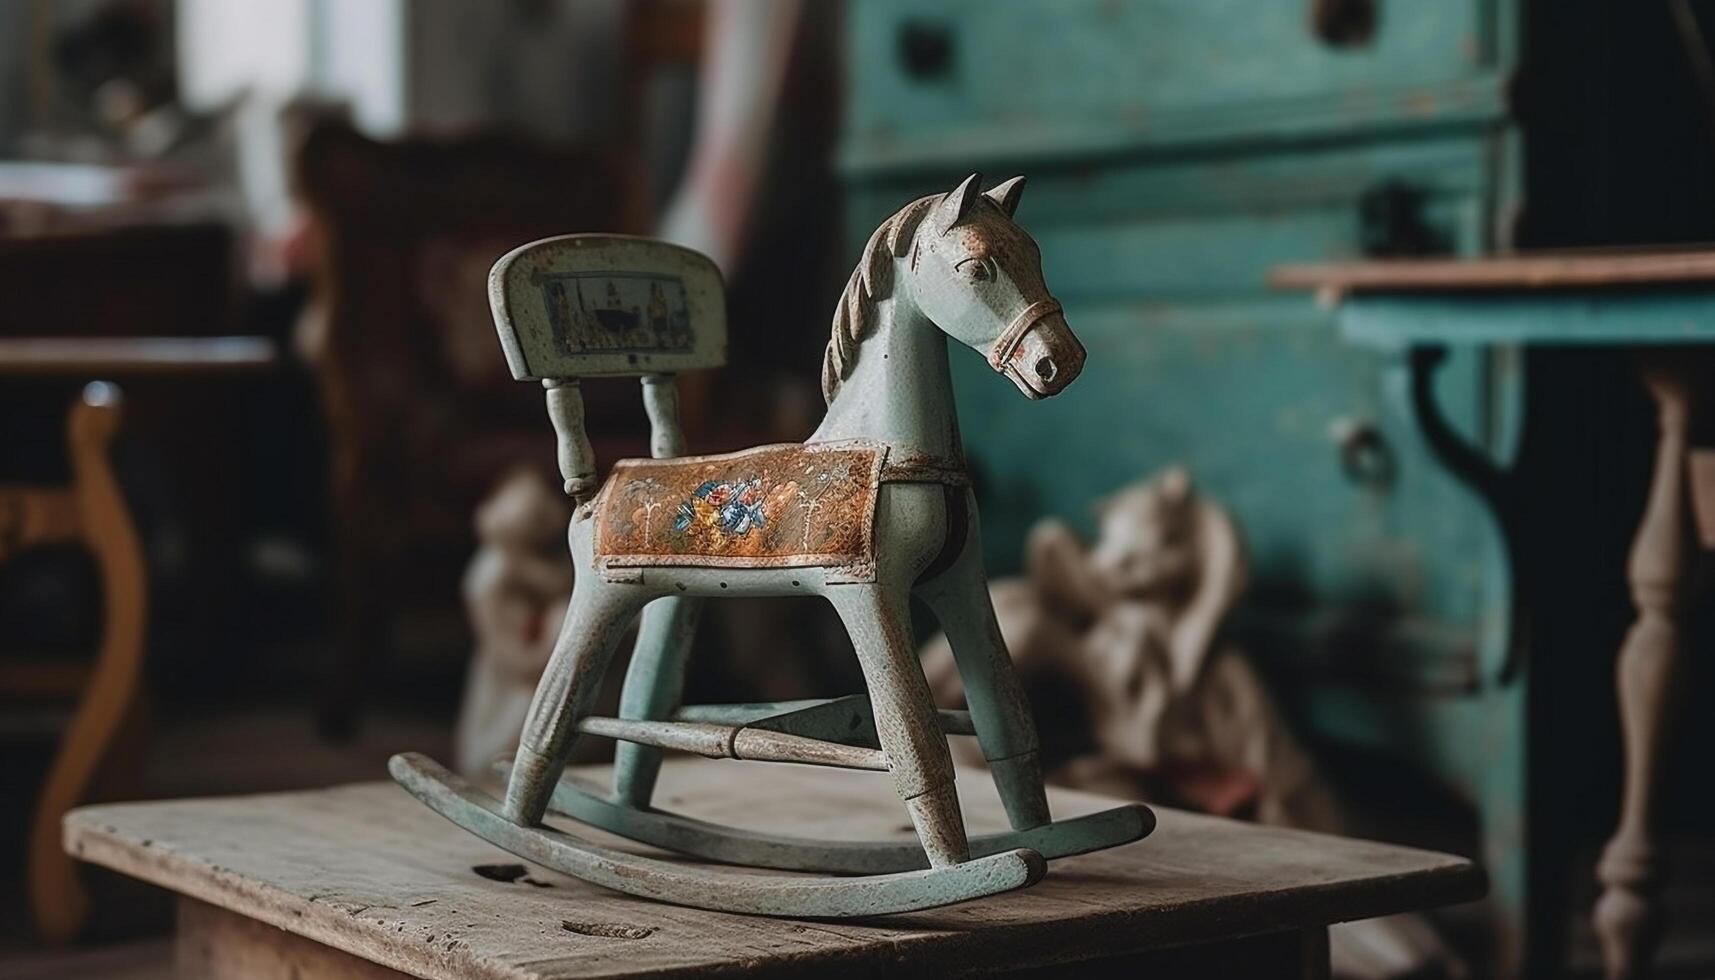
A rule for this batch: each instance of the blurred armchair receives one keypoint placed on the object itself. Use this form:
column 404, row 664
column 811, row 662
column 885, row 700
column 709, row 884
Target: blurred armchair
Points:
column 423, row 417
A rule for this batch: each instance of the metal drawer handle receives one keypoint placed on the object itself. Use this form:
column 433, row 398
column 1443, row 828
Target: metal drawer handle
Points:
column 1365, row 456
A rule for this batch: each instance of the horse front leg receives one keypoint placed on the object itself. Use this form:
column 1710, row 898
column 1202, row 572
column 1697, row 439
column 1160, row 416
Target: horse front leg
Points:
column 878, row 620
column 598, row 616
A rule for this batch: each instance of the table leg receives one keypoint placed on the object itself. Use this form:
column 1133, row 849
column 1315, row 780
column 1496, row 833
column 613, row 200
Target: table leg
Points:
column 1317, row 962
column 1628, row 916
column 1294, row 954
column 216, row 944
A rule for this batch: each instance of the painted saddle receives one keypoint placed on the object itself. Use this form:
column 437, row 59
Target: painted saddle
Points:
column 781, row 506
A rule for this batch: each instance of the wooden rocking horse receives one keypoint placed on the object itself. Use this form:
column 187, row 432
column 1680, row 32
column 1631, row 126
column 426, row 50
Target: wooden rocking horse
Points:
column 874, row 508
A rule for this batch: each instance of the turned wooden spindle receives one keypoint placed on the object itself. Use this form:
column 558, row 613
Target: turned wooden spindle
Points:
column 573, row 451
column 661, row 403
column 575, row 455
column 1628, row 916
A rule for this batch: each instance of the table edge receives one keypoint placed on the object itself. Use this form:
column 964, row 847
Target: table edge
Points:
column 88, row 838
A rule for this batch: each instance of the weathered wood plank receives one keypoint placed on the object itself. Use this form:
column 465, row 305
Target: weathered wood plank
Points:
column 368, row 870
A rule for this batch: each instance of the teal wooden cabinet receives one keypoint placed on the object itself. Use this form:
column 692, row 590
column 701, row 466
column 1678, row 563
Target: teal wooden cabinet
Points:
column 1053, row 79
column 1177, row 150
column 1656, row 310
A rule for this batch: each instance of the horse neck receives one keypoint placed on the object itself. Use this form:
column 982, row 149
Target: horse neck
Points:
column 900, row 391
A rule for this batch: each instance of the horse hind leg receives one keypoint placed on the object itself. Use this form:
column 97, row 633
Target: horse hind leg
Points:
column 654, row 684
column 959, row 598
column 905, row 718
column 596, row 619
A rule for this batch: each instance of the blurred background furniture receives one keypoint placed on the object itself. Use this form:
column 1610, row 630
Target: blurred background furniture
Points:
column 90, row 513
column 101, row 692
column 1660, row 310
column 1179, row 151
column 362, row 881
column 171, row 280
column 422, row 416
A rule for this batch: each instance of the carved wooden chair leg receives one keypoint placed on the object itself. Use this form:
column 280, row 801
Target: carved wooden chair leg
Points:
column 905, row 717
column 654, row 684
column 57, row 899
column 959, row 598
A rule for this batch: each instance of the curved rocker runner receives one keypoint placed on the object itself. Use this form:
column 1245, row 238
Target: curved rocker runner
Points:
column 874, row 509
column 583, row 801
column 809, row 897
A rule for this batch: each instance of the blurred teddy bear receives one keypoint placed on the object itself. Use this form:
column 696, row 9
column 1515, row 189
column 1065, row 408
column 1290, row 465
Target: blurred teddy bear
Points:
column 1129, row 627
column 1127, row 632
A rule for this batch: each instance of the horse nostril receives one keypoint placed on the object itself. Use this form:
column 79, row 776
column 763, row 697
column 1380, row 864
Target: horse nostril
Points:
column 1045, row 368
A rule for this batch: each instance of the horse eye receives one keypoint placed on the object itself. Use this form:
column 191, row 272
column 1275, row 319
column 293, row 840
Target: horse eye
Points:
column 979, row 270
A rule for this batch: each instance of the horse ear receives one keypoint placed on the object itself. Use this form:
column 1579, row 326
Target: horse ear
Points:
column 1007, row 193
column 957, row 203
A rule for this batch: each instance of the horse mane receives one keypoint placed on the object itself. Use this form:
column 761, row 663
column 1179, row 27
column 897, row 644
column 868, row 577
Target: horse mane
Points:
column 871, row 282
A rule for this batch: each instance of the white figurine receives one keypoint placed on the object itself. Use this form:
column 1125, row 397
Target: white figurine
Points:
column 1131, row 624
column 515, row 591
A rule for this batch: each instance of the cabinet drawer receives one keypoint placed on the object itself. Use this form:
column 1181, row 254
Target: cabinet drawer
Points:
column 1023, row 73
column 1158, row 232
column 1162, row 265
column 1257, row 399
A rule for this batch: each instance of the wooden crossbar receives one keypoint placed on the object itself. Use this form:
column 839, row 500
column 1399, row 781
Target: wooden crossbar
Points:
column 953, row 721
column 717, row 741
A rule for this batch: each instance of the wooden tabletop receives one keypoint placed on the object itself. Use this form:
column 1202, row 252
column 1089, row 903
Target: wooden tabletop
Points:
column 104, row 356
column 1571, row 270
column 367, row 869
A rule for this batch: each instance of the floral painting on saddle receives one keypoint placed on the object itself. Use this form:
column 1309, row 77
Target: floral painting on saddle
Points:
column 779, row 506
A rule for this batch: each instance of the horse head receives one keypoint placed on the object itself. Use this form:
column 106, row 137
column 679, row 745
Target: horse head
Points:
column 978, row 275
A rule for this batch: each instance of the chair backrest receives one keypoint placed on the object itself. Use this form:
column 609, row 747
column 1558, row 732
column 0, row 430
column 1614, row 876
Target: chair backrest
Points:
column 582, row 306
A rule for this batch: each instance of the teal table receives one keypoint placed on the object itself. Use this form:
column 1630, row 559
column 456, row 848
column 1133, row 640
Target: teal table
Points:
column 1658, row 308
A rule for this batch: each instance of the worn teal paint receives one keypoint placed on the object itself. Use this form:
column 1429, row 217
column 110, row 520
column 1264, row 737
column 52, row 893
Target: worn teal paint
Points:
column 1177, row 150
column 814, row 897
column 585, row 802
column 890, row 398
column 1606, row 318
column 1251, row 406
column 1023, row 80
column 1162, row 263
column 1483, row 740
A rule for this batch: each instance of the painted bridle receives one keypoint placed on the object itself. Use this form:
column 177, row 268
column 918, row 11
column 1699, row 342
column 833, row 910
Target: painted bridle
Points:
column 1001, row 351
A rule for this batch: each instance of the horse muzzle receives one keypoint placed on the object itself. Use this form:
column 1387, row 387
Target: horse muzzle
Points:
column 1038, row 351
